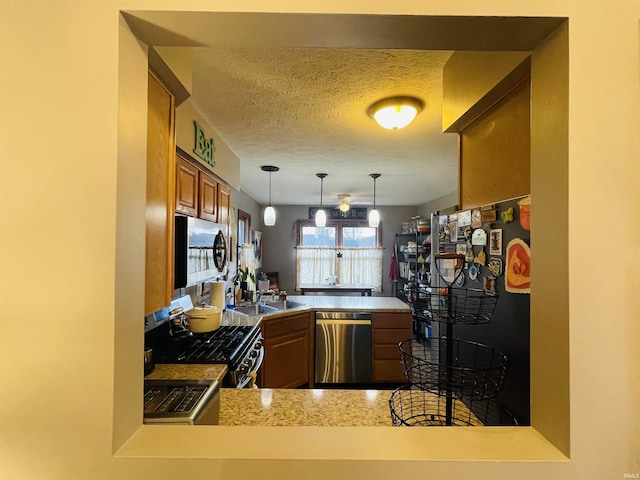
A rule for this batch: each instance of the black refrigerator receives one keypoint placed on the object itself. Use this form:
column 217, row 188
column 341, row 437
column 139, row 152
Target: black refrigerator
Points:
column 495, row 242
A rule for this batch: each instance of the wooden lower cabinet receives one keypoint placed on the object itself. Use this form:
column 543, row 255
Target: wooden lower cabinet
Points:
column 389, row 329
column 287, row 351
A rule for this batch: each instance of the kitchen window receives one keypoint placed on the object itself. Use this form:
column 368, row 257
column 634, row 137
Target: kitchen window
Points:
column 351, row 251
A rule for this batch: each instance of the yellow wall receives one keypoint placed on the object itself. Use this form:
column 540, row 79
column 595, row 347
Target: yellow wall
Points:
column 174, row 65
column 227, row 163
column 72, row 148
column 467, row 78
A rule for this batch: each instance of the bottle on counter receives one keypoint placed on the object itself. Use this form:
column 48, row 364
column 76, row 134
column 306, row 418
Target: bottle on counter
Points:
column 229, row 300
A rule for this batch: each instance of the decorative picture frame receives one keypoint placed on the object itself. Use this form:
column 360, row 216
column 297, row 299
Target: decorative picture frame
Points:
column 454, row 231
column 495, row 241
column 257, row 246
column 464, row 218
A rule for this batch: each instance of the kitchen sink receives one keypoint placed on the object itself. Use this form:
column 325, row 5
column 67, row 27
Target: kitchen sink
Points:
column 255, row 309
column 286, row 304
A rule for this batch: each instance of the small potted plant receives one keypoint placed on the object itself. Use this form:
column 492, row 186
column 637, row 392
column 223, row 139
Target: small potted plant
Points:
column 242, row 276
column 263, row 281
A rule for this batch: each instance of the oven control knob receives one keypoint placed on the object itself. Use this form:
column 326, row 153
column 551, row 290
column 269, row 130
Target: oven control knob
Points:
column 244, row 368
column 259, row 344
column 253, row 354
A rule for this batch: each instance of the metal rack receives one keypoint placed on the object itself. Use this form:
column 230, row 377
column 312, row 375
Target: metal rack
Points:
column 451, row 381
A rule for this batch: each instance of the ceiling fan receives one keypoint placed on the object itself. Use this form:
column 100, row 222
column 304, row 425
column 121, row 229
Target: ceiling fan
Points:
column 344, row 200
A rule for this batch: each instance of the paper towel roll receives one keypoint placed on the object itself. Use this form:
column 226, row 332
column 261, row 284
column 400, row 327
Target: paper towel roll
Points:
column 217, row 294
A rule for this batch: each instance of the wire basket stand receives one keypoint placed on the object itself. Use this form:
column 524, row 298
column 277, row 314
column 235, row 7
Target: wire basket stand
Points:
column 445, row 373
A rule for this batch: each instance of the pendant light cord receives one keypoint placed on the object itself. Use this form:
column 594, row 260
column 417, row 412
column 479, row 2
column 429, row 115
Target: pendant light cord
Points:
column 270, row 189
column 374, row 193
column 375, row 177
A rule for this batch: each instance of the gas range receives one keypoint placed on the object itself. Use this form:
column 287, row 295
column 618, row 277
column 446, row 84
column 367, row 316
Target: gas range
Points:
column 240, row 347
column 227, row 344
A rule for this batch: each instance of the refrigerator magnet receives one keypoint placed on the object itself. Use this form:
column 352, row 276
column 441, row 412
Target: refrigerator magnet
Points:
column 479, row 237
column 518, row 267
column 495, row 242
column 473, row 272
column 476, row 218
column 495, row 267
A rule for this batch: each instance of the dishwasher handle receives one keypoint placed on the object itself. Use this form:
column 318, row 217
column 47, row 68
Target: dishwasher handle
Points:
column 329, row 321
column 343, row 315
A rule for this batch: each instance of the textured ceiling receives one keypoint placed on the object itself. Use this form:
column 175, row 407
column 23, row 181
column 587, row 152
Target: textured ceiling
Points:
column 304, row 110
column 292, row 90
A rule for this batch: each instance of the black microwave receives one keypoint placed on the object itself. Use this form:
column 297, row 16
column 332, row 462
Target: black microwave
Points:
column 200, row 251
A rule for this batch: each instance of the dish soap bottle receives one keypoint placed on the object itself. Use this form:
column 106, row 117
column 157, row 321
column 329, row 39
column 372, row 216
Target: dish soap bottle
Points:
column 229, row 301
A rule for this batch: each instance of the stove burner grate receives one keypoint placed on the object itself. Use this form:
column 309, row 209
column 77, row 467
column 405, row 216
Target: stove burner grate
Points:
column 225, row 345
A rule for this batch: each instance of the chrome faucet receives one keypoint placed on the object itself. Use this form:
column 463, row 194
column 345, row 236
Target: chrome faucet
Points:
column 260, row 293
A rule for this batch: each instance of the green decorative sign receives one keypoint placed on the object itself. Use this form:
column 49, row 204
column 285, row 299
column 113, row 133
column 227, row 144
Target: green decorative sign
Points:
column 204, row 147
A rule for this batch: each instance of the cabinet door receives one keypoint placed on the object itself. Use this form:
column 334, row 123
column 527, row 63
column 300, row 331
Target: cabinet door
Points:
column 389, row 329
column 186, row 188
column 208, row 198
column 224, row 204
column 287, row 351
column 159, row 197
column 286, row 361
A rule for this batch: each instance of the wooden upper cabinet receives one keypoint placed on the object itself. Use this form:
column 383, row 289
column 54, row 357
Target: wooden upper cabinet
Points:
column 159, row 196
column 224, row 204
column 208, row 198
column 198, row 193
column 186, row 188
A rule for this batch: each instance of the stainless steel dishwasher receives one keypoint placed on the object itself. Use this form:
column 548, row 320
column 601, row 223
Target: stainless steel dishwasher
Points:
column 343, row 347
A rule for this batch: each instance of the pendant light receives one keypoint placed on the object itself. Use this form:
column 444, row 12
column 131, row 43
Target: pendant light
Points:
column 395, row 112
column 321, row 215
column 374, row 215
column 269, row 212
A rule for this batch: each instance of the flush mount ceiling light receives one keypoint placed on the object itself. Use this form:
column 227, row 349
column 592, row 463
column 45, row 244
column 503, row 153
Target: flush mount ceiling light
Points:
column 321, row 215
column 344, row 199
column 269, row 212
column 374, row 215
column 395, row 112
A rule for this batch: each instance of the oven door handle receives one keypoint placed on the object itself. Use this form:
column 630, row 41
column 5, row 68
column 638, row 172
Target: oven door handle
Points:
column 259, row 360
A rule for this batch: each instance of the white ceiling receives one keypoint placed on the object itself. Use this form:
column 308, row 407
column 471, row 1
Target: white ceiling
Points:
column 292, row 90
column 304, row 110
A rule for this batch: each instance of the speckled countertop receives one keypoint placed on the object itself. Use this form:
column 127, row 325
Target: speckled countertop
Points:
column 286, row 407
column 324, row 303
column 352, row 302
column 295, row 407
column 171, row 371
column 298, row 407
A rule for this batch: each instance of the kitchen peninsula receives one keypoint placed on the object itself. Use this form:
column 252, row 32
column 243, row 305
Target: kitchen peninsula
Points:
column 309, row 406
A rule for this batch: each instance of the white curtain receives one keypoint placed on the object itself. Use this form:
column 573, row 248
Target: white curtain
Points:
column 356, row 266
